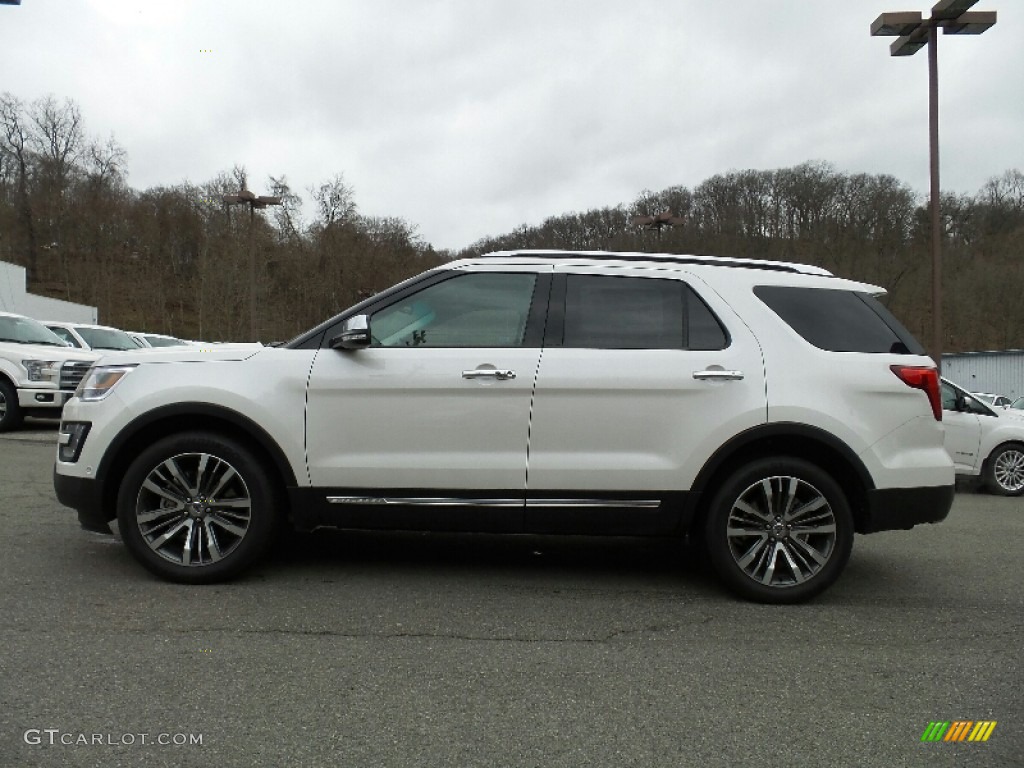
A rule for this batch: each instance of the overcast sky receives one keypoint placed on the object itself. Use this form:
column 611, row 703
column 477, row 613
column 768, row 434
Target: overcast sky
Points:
column 468, row 118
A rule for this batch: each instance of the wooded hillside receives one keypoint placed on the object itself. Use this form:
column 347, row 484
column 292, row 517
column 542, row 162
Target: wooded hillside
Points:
column 175, row 259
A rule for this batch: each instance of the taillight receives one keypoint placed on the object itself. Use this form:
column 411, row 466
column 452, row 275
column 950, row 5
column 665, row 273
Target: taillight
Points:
column 926, row 379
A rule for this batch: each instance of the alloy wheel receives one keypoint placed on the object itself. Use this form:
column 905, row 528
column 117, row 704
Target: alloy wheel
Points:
column 1008, row 470
column 781, row 531
column 193, row 509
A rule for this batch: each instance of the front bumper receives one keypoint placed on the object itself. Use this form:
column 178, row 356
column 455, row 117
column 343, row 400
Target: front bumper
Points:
column 43, row 398
column 83, row 494
column 894, row 509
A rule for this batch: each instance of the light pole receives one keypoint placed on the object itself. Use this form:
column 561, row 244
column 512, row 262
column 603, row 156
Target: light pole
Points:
column 245, row 197
column 913, row 33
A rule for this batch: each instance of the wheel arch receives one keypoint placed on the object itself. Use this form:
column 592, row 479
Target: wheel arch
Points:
column 186, row 417
column 803, row 441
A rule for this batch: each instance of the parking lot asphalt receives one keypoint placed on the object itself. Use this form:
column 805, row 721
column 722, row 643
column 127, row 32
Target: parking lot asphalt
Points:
column 352, row 649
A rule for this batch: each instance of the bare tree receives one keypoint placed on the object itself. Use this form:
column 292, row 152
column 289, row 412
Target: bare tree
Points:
column 16, row 137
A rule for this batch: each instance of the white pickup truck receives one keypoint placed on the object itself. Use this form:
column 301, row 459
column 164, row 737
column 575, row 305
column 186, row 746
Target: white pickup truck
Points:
column 38, row 371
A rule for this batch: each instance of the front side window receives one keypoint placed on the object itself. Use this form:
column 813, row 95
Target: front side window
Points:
column 608, row 312
column 967, row 404
column 481, row 309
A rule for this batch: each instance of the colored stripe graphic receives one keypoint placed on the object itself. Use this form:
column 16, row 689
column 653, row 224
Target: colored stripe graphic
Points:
column 982, row 730
column 958, row 730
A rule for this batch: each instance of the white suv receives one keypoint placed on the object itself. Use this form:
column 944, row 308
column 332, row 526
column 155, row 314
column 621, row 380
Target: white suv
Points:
column 38, row 371
column 769, row 409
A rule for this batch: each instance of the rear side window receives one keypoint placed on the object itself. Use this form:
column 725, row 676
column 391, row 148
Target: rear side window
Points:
column 839, row 321
column 605, row 312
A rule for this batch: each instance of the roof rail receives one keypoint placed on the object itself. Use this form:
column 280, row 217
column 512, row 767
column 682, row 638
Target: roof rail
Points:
column 671, row 258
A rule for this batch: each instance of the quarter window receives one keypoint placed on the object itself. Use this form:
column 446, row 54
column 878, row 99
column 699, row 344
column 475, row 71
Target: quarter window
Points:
column 482, row 309
column 839, row 320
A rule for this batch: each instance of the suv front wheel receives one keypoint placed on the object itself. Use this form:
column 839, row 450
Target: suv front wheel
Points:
column 197, row 508
column 779, row 530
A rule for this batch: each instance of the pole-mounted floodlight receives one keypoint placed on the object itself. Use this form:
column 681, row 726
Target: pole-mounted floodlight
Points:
column 953, row 17
column 245, row 197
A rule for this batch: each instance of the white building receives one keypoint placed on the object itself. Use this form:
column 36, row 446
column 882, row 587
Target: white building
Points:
column 1001, row 373
column 14, row 297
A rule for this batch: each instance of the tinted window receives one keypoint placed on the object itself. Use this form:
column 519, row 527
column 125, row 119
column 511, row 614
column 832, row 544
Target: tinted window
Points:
column 604, row 312
column 839, row 321
column 484, row 309
column 704, row 330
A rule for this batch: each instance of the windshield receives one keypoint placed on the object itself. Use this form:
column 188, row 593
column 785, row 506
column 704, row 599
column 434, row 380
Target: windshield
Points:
column 106, row 338
column 163, row 341
column 25, row 330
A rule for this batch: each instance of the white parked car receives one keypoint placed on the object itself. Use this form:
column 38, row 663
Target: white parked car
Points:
column 984, row 441
column 38, row 371
column 101, row 338
column 768, row 410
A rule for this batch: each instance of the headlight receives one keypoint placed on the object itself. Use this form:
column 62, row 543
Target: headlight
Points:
column 100, row 380
column 42, row 370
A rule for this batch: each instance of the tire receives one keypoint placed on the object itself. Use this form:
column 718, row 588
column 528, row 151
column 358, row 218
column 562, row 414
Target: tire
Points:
column 1004, row 470
column 10, row 410
column 197, row 508
column 754, row 538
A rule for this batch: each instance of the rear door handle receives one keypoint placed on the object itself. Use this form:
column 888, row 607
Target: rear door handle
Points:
column 502, row 374
column 718, row 375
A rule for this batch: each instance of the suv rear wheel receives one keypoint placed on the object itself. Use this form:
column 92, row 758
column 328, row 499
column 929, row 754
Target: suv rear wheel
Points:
column 197, row 508
column 779, row 530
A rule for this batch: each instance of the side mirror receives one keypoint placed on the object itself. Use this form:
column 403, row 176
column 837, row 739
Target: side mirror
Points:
column 355, row 334
column 961, row 403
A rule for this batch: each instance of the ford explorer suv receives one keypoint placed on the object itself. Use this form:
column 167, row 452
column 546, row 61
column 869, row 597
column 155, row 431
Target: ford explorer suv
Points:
column 767, row 410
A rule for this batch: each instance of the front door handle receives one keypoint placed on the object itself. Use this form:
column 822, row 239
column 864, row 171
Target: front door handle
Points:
column 502, row 374
column 713, row 375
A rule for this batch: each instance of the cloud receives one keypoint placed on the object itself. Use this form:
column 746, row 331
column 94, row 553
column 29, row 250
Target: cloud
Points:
column 468, row 119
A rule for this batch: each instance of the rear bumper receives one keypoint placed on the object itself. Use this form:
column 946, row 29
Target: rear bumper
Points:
column 84, row 495
column 892, row 509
